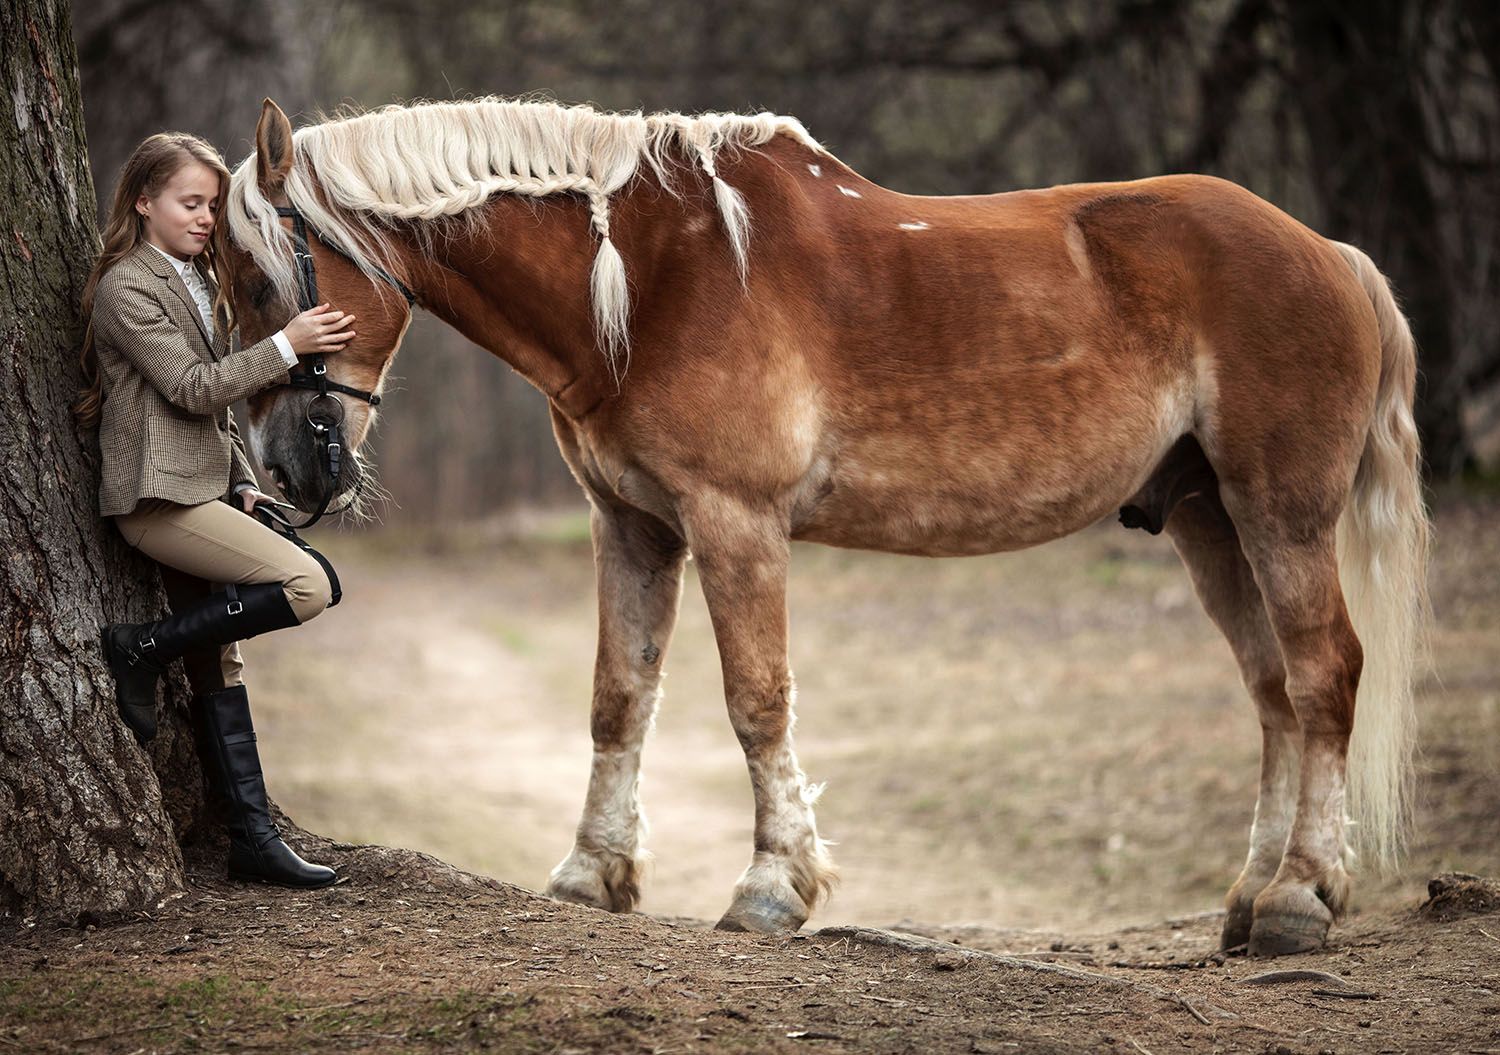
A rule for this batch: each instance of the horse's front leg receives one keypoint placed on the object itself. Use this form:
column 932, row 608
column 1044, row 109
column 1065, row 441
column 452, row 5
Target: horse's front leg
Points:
column 638, row 562
column 742, row 559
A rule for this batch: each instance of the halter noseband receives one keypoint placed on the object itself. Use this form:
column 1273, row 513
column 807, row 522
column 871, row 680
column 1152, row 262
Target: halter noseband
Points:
column 315, row 377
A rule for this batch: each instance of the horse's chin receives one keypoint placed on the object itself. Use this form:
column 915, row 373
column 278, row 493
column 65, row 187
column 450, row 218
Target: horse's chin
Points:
column 306, row 491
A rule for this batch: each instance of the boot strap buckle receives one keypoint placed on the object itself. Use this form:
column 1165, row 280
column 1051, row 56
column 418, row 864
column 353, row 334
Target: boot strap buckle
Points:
column 235, row 607
column 146, row 645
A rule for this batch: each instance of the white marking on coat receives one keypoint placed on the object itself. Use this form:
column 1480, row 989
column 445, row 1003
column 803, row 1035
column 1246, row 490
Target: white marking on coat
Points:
column 846, row 192
column 1205, row 405
column 1078, row 250
column 816, row 170
column 1276, row 807
column 914, row 225
column 791, row 863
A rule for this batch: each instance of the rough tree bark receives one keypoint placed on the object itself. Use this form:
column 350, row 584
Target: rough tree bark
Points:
column 86, row 826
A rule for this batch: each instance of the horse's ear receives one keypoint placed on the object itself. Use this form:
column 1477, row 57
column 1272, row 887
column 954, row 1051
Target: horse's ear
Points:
column 273, row 147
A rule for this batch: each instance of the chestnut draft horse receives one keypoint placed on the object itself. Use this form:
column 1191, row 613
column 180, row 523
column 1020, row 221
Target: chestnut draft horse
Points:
column 744, row 342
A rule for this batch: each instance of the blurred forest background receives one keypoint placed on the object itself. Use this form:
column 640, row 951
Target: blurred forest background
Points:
column 1373, row 121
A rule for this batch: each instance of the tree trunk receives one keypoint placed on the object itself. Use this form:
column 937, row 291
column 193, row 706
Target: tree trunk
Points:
column 86, row 827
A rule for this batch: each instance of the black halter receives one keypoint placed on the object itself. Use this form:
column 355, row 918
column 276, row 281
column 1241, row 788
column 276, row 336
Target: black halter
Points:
column 314, row 378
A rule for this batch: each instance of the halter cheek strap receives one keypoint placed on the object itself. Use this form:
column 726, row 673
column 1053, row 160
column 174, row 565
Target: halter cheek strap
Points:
column 307, row 272
column 314, row 378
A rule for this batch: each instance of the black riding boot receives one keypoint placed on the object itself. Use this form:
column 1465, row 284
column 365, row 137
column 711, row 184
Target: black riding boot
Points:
column 256, row 852
column 138, row 653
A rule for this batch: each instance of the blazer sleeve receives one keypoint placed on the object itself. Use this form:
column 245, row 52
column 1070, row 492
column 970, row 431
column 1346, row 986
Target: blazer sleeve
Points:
column 240, row 471
column 131, row 321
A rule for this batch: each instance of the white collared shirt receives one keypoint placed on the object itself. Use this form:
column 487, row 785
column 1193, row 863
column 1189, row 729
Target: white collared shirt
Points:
column 199, row 293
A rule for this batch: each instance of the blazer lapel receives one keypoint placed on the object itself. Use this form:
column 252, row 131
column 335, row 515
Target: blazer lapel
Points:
column 163, row 269
column 180, row 288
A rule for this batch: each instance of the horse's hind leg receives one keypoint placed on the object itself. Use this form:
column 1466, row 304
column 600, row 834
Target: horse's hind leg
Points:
column 638, row 562
column 1286, row 522
column 1210, row 548
column 742, row 558
column 1297, row 571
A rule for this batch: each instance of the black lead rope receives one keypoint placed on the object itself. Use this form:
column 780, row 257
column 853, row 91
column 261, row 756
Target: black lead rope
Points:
column 278, row 523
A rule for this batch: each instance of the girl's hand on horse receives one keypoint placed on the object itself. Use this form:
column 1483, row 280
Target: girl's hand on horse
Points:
column 320, row 331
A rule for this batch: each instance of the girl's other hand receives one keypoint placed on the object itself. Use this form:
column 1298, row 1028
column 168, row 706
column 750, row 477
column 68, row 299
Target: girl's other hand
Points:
column 250, row 498
column 320, row 331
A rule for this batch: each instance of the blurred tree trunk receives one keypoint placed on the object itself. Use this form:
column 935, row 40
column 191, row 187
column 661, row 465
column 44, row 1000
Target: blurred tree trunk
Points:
column 199, row 66
column 1351, row 77
column 86, row 827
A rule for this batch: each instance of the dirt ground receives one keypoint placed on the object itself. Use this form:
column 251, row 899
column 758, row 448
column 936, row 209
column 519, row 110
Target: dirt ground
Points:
column 1083, row 760
column 411, row 955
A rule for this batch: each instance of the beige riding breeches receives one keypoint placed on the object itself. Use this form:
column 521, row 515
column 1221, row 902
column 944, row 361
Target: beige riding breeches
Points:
column 202, row 547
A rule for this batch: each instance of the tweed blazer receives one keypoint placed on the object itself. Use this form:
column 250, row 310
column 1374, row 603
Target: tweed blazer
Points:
column 165, row 429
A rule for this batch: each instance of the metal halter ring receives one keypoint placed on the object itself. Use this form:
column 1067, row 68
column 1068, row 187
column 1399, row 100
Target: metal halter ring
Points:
column 335, row 400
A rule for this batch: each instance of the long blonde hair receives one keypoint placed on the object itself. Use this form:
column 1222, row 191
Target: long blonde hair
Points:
column 150, row 167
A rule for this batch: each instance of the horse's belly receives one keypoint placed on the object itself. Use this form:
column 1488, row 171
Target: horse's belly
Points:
column 954, row 519
column 908, row 496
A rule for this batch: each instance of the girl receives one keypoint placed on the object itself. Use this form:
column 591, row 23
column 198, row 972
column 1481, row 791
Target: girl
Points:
column 161, row 375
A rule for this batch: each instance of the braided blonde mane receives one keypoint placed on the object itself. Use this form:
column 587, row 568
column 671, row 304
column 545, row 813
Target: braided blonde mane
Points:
column 355, row 177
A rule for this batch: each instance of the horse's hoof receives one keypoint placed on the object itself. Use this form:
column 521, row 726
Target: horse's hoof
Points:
column 599, row 879
column 762, row 915
column 579, row 895
column 1283, row 935
column 1236, row 932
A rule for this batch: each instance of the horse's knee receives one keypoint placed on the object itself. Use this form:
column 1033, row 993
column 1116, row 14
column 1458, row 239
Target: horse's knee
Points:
column 763, row 717
column 1266, row 685
column 622, row 713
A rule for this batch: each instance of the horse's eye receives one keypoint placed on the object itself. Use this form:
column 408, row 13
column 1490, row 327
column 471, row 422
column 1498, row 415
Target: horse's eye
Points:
column 261, row 295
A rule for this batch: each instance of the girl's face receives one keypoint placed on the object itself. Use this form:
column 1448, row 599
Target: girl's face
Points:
column 180, row 219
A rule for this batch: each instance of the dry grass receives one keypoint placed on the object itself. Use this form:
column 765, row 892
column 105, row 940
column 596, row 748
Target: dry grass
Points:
column 1056, row 737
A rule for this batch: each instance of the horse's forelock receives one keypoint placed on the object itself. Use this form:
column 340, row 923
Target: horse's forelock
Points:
column 255, row 228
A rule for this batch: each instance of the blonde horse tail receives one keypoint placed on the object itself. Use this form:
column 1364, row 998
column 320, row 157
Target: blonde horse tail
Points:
column 1383, row 544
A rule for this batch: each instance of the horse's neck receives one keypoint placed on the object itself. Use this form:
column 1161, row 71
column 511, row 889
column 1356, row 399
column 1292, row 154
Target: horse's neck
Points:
column 518, row 283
